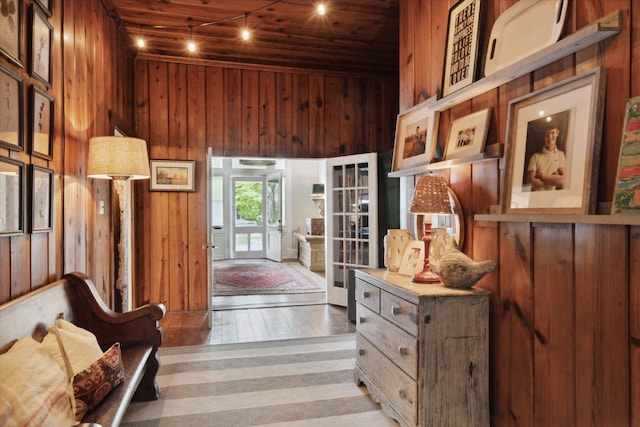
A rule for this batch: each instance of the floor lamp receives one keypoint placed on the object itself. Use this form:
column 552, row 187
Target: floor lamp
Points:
column 120, row 159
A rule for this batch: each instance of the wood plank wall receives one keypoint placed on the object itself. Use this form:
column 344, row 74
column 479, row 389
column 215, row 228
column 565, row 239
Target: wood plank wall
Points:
column 183, row 108
column 565, row 322
column 92, row 70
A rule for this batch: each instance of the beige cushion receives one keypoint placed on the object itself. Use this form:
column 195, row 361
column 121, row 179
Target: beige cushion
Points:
column 34, row 390
column 72, row 347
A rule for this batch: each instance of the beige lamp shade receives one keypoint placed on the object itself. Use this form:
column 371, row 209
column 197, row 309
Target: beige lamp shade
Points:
column 431, row 196
column 118, row 156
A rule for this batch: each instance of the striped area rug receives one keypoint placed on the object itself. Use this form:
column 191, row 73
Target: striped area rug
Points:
column 298, row 383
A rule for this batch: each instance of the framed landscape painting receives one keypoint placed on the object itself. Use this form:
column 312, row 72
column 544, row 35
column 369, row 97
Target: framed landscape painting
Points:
column 173, row 175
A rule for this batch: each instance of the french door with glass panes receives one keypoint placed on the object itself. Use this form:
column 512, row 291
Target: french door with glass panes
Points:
column 351, row 219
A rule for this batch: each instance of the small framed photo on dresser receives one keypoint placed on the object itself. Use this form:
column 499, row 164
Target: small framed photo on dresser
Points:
column 463, row 42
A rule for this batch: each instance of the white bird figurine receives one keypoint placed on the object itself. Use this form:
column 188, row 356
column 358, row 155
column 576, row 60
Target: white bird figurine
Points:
column 459, row 271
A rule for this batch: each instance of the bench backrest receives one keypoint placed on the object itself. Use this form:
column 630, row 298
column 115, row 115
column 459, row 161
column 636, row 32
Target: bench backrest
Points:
column 33, row 312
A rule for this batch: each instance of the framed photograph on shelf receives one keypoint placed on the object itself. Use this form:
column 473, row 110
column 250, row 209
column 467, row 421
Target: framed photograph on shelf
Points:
column 41, row 199
column 553, row 147
column 416, row 136
column 41, row 124
column 463, row 43
column 11, row 110
column 468, row 135
column 12, row 182
column 41, row 38
column 173, row 175
column 11, row 31
column 626, row 194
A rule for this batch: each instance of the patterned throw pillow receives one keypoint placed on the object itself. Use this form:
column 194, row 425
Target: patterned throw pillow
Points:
column 92, row 384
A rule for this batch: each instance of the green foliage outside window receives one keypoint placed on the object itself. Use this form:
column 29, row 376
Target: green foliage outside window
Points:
column 248, row 196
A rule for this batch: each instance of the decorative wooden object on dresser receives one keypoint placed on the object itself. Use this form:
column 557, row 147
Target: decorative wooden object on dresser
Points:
column 423, row 349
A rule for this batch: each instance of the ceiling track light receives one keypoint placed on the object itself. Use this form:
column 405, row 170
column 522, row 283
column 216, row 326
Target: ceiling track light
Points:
column 140, row 42
column 191, row 45
column 246, row 34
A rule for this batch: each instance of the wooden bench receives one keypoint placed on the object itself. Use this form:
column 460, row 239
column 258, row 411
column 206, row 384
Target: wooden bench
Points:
column 76, row 297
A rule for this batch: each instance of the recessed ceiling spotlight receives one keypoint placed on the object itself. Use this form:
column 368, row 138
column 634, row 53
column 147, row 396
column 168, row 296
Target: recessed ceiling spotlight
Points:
column 321, row 9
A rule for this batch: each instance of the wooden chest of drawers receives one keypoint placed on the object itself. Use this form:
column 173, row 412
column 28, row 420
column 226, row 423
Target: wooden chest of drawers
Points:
column 423, row 349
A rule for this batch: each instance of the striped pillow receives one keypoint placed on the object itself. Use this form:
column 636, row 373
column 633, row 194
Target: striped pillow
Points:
column 34, row 390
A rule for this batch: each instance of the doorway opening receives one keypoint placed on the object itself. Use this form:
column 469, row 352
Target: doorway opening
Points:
column 252, row 220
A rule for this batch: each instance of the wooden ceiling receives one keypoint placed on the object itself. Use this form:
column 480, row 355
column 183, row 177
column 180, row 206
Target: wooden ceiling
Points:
column 355, row 36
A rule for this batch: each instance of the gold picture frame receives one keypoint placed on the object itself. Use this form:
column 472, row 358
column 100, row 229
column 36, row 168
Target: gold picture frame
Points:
column 172, row 175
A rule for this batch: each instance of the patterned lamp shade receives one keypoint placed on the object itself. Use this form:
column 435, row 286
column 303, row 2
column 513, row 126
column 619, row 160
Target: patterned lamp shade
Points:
column 431, row 196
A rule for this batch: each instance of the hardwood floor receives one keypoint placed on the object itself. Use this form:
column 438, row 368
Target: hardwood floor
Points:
column 250, row 318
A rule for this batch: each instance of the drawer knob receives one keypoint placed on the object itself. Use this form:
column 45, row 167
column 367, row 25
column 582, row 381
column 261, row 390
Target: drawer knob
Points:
column 361, row 351
column 365, row 294
column 403, row 350
column 405, row 396
column 395, row 310
column 362, row 318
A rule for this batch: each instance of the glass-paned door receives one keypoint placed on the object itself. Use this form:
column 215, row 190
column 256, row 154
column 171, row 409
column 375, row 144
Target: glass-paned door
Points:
column 351, row 219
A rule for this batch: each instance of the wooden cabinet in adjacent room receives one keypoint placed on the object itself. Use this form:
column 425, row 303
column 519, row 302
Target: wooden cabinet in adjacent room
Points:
column 423, row 349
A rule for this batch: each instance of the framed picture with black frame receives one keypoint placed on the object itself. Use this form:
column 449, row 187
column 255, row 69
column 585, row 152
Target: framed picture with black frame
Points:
column 11, row 31
column 41, row 199
column 46, row 5
column 463, row 45
column 12, row 182
column 41, row 124
column 41, row 41
column 11, row 111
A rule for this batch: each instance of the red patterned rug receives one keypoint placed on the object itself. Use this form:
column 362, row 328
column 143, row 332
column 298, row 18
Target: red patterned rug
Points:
column 264, row 277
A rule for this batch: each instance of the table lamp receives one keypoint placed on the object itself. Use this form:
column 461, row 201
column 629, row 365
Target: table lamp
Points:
column 431, row 196
column 120, row 159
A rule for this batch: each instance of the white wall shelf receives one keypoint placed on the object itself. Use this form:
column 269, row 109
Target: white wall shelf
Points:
column 600, row 30
column 561, row 219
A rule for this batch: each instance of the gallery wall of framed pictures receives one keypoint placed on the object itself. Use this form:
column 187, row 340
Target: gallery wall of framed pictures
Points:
column 27, row 112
